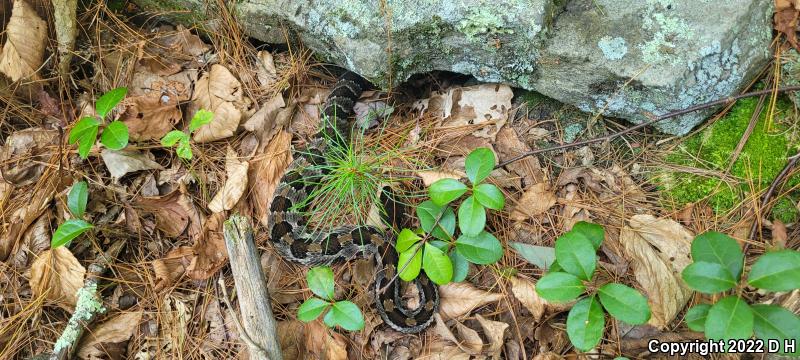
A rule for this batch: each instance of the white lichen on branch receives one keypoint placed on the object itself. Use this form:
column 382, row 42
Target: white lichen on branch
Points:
column 88, row 307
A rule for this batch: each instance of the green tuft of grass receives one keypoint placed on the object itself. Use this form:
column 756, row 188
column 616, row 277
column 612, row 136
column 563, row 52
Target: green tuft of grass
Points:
column 761, row 160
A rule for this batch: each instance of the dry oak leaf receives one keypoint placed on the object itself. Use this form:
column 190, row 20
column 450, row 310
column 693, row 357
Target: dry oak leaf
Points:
column 494, row 331
column 525, row 291
column 509, row 145
column 265, row 69
column 290, row 336
column 209, row 251
column 171, row 267
column 116, row 329
column 324, row 342
column 480, row 104
column 264, row 119
column 537, row 199
column 221, row 93
column 149, row 117
column 121, row 162
column 235, row 183
column 458, row 299
column 23, row 51
column 57, row 275
column 265, row 172
column 658, row 250
column 174, row 212
column 24, row 155
column 35, row 201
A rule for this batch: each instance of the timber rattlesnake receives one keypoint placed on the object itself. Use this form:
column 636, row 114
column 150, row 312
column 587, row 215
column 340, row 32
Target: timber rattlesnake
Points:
column 300, row 242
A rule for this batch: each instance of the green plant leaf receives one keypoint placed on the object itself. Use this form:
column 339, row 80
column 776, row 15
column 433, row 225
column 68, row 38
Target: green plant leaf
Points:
column 559, row 287
column 460, row 266
column 541, row 256
column 708, row 277
column 320, row 281
column 482, row 249
column 68, row 231
column 77, row 198
column 345, row 314
column 776, row 271
column 413, row 257
column 200, row 118
column 437, row 265
column 576, row 255
column 585, row 323
column 471, row 217
column 718, row 248
column 405, row 239
column 624, row 303
column 115, row 136
column 172, row 138
column 444, row 191
column 696, row 317
column 311, row 309
column 184, row 149
column 775, row 322
column 83, row 128
column 729, row 318
column 490, row 196
column 592, row 232
column 479, row 164
column 109, row 100
column 427, row 212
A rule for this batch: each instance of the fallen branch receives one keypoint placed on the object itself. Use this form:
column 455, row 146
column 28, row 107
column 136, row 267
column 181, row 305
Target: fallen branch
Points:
column 89, row 305
column 765, row 200
column 259, row 329
column 652, row 121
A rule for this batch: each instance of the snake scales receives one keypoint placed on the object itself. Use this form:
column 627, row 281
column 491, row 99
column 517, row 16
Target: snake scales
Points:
column 300, row 242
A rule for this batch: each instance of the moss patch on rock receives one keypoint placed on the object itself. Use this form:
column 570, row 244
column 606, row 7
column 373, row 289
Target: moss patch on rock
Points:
column 709, row 151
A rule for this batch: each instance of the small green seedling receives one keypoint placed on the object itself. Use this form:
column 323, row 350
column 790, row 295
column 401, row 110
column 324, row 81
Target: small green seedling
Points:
column 184, row 149
column 72, row 228
column 573, row 270
column 115, row 134
column 343, row 313
column 717, row 267
column 435, row 248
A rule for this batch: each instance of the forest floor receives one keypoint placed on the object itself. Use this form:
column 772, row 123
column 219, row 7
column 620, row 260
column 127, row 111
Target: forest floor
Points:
column 166, row 211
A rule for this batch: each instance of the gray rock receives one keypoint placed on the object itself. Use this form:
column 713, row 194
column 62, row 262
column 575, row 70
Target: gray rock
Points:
column 625, row 58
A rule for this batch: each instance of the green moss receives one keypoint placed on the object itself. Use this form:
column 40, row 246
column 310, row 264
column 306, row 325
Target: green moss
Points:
column 761, row 160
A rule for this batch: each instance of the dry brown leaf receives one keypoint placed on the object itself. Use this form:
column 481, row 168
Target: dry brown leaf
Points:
column 509, row 145
column 24, row 155
column 458, row 299
column 121, row 162
column 265, row 172
column 430, row 177
column 785, row 19
column 481, row 104
column 443, row 350
column 23, row 52
column 325, row 343
column 35, row 203
column 494, row 331
column 264, row 119
column 290, row 336
column 116, row 329
column 266, row 72
column 779, row 235
column 525, row 291
column 221, row 93
column 535, row 201
column 210, row 253
column 235, row 183
column 58, row 275
column 174, row 212
column 150, row 117
column 171, row 267
column 658, row 250
column 469, row 340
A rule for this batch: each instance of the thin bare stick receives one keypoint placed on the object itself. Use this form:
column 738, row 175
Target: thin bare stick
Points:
column 652, row 121
column 765, row 200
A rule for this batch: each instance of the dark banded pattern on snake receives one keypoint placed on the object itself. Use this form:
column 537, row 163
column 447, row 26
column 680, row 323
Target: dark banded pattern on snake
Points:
column 298, row 241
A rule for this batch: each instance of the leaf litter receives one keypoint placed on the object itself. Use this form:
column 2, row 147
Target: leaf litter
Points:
column 170, row 211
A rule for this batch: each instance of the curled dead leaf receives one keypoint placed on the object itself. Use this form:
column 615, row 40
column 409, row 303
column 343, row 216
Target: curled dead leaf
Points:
column 494, row 331
column 116, row 329
column 658, row 250
column 24, row 155
column 221, row 93
column 23, row 52
column 174, row 212
column 525, row 291
column 458, row 299
column 57, row 275
column 266, row 170
column 537, row 199
column 235, row 183
column 291, row 335
column 149, row 117
column 209, row 252
column 121, row 162
column 430, row 177
column 171, row 267
column 325, row 343
column 480, row 104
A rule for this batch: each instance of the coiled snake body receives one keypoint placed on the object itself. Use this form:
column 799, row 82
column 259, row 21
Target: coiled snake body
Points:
column 300, row 242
